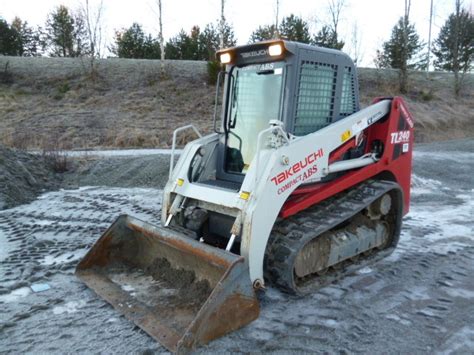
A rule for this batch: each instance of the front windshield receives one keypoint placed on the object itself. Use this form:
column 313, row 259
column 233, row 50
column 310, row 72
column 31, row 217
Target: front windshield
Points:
column 254, row 101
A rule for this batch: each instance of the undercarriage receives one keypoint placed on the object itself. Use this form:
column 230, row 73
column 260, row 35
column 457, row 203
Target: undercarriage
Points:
column 336, row 237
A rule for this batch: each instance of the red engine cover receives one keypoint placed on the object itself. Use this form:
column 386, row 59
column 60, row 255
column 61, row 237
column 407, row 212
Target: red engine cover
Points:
column 396, row 135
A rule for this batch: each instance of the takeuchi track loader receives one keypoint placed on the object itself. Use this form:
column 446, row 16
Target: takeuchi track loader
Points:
column 296, row 187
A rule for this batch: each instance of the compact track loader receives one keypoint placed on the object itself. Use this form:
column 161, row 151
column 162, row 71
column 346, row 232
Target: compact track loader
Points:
column 296, row 187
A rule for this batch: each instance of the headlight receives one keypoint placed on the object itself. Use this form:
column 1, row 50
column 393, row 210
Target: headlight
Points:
column 275, row 50
column 225, row 58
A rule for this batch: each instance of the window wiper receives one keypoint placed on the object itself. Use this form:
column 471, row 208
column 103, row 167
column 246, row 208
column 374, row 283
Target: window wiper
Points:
column 232, row 122
column 266, row 72
column 234, row 90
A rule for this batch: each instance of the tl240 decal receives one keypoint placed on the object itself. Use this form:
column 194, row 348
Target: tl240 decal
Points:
column 400, row 137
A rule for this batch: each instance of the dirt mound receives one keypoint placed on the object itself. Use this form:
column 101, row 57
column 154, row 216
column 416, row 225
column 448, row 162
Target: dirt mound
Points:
column 190, row 290
column 23, row 176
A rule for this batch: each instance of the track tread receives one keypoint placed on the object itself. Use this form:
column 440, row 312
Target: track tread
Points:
column 290, row 235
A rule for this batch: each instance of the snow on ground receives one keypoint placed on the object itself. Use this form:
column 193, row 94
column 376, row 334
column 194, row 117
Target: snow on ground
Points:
column 420, row 299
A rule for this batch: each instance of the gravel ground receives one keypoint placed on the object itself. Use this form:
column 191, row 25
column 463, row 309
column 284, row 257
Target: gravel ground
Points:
column 419, row 300
column 145, row 171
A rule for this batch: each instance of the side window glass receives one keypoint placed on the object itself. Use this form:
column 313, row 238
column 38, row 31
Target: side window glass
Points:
column 348, row 102
column 316, row 92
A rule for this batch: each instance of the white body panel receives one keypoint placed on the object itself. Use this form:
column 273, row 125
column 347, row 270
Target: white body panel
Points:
column 280, row 171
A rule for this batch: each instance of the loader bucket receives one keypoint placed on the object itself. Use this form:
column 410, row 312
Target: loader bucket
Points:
column 181, row 292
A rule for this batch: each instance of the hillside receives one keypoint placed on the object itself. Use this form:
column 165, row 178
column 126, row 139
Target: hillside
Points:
column 51, row 103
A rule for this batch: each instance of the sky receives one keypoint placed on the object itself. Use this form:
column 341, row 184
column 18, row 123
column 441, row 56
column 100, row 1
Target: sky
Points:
column 374, row 18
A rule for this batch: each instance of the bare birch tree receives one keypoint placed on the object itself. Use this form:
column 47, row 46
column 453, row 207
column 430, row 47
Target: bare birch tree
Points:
column 356, row 44
column 404, row 49
column 428, row 53
column 93, row 17
column 160, row 35
column 276, row 34
column 335, row 10
column 222, row 26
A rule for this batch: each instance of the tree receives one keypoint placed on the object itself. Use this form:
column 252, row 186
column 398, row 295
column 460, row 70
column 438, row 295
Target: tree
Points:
column 335, row 10
column 428, row 52
column 160, row 34
column 356, row 51
column 65, row 33
column 275, row 33
column 94, row 31
column 401, row 51
column 326, row 37
column 222, row 24
column 10, row 42
column 92, row 18
column 28, row 41
column 199, row 45
column 208, row 43
column 193, row 49
column 134, row 43
column 294, row 28
column 454, row 47
column 178, row 46
column 262, row 33
column 227, row 36
column 398, row 51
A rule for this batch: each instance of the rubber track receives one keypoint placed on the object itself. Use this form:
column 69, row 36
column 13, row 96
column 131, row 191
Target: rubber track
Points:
column 290, row 235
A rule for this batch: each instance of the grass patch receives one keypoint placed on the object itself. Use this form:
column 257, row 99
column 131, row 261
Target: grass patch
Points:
column 427, row 95
column 61, row 90
column 64, row 88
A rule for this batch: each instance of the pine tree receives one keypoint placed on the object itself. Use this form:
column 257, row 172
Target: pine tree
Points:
column 229, row 39
column 326, row 37
column 402, row 51
column 27, row 38
column 200, row 45
column 395, row 52
column 262, row 33
column 177, row 46
column 208, row 43
column 294, row 28
column 65, row 33
column 10, row 42
column 454, row 47
column 134, row 43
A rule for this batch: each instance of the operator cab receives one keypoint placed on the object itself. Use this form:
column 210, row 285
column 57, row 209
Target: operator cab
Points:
column 303, row 87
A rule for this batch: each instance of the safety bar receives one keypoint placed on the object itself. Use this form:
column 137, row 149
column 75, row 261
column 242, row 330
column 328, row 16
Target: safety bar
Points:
column 173, row 146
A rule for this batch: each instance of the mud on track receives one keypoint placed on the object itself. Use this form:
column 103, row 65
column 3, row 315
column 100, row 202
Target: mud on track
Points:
column 420, row 299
